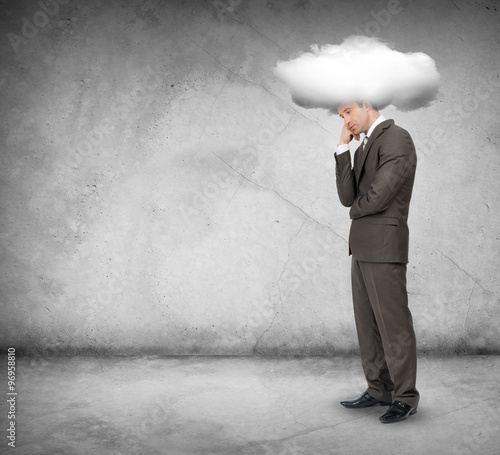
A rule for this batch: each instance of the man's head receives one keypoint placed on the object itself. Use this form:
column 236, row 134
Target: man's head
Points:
column 358, row 116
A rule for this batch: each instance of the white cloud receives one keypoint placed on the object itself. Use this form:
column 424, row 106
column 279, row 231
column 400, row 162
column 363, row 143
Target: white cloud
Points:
column 360, row 69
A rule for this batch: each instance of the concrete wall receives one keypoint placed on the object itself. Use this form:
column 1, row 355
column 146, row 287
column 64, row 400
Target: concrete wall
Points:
column 161, row 192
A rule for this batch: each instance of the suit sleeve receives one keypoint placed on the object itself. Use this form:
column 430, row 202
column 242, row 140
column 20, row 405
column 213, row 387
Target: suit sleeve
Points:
column 346, row 182
column 397, row 161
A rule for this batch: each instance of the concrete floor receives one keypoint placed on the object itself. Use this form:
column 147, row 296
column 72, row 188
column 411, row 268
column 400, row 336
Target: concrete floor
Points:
column 248, row 405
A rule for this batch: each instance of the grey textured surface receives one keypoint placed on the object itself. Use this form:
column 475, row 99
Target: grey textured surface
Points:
column 242, row 406
column 161, row 193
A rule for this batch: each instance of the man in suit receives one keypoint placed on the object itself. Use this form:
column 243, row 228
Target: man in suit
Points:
column 378, row 191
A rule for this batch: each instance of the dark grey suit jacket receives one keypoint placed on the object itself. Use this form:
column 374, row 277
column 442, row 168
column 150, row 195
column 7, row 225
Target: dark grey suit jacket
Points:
column 378, row 189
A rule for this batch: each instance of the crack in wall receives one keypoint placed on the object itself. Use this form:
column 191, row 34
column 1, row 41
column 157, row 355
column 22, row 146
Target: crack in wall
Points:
column 263, row 333
column 248, row 81
column 470, row 276
column 288, row 260
column 281, row 197
column 476, row 283
column 212, row 106
column 150, row 15
column 286, row 126
column 279, row 288
column 229, row 41
column 245, row 23
column 468, row 309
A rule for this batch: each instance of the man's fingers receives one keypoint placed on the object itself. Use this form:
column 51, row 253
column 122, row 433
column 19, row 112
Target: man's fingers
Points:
column 346, row 135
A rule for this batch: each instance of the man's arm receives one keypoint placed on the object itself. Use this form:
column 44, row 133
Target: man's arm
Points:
column 346, row 182
column 397, row 162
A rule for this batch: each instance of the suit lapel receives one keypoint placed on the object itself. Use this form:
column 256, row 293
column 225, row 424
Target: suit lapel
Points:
column 361, row 155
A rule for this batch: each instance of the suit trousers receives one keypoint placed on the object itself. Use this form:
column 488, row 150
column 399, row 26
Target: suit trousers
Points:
column 385, row 330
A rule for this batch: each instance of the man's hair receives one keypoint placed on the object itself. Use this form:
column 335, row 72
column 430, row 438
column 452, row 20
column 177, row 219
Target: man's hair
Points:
column 334, row 109
column 373, row 105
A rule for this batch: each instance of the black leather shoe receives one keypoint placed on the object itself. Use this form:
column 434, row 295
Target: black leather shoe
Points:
column 364, row 401
column 397, row 412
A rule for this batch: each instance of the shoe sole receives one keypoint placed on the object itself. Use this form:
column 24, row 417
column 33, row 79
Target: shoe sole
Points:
column 382, row 403
column 413, row 411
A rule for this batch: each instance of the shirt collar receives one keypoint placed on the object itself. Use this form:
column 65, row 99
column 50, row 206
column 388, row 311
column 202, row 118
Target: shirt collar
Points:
column 379, row 120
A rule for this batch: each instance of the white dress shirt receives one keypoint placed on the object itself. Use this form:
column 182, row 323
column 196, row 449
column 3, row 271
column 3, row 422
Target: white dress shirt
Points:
column 345, row 147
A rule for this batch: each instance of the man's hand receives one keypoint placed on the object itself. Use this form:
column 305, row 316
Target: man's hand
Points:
column 347, row 135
